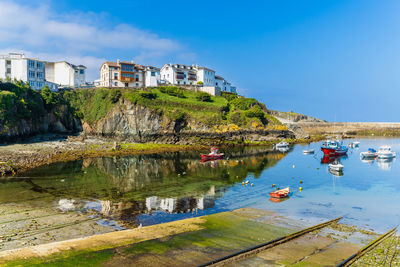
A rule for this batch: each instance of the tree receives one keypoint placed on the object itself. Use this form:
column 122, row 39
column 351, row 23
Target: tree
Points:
column 200, row 83
column 50, row 98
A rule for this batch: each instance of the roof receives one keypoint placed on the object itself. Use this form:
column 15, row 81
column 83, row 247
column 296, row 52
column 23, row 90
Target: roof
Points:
column 72, row 65
column 205, row 68
column 111, row 64
column 126, row 63
column 219, row 77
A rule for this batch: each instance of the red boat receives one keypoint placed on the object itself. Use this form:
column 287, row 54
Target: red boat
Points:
column 212, row 155
column 333, row 148
column 280, row 193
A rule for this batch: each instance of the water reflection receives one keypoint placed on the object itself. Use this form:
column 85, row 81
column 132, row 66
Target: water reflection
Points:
column 122, row 188
column 385, row 164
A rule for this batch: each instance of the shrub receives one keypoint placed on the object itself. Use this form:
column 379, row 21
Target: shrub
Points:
column 115, row 95
column 229, row 96
column 244, row 103
column 148, row 95
column 203, row 96
column 200, row 83
column 237, row 117
column 50, row 98
column 173, row 91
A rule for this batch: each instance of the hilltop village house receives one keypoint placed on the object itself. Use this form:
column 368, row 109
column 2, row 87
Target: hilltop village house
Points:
column 179, row 74
column 38, row 73
column 128, row 74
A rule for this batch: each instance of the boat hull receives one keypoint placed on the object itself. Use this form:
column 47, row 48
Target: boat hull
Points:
column 386, row 156
column 333, row 152
column 280, row 193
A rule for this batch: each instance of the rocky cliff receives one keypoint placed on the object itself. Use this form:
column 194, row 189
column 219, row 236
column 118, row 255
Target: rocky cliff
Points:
column 164, row 115
column 141, row 124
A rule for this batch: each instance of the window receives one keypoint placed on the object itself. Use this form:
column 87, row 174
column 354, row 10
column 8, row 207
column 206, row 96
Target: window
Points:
column 31, row 74
column 137, row 85
column 31, row 64
column 8, row 71
column 153, row 73
column 126, row 84
column 31, row 84
column 115, row 76
column 115, row 83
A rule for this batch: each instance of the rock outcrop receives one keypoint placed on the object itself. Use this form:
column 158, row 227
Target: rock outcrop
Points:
column 58, row 120
column 141, row 124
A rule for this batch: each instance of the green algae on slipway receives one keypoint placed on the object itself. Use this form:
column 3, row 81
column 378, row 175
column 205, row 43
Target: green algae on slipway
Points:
column 188, row 242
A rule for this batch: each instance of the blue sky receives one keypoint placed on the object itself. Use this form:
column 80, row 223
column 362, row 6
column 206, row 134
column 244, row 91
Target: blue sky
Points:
column 337, row 60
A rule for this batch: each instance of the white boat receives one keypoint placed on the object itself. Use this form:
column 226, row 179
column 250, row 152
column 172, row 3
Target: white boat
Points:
column 370, row 154
column 385, row 152
column 282, row 144
column 308, row 151
column 336, row 166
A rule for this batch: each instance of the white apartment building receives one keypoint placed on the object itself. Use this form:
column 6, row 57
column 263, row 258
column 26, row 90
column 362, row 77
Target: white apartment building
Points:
column 152, row 76
column 17, row 66
column 178, row 74
column 121, row 74
column 206, row 75
column 224, row 85
column 66, row 74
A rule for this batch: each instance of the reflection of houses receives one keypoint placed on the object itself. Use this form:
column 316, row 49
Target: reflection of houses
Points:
column 181, row 205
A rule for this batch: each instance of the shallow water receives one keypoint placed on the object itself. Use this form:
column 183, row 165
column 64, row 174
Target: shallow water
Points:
column 142, row 190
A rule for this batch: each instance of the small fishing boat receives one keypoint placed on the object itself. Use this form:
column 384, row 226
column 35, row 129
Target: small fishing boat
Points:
column 212, row 155
column 336, row 166
column 370, row 154
column 385, row 152
column 333, row 148
column 280, row 193
column 308, row 151
column 282, row 144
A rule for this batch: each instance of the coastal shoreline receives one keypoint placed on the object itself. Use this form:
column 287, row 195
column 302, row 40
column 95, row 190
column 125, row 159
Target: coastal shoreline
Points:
column 41, row 150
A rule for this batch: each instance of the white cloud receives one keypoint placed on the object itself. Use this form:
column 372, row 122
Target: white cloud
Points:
column 78, row 37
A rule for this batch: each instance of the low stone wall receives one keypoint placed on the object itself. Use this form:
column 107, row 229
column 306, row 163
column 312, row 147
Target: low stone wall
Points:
column 351, row 128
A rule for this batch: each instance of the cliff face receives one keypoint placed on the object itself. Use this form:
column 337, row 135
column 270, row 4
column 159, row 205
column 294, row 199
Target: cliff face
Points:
column 140, row 124
column 57, row 120
column 165, row 115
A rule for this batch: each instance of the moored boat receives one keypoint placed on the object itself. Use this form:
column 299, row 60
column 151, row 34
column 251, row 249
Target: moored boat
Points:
column 385, row 152
column 333, row 148
column 212, row 155
column 282, row 144
column 280, row 193
column 371, row 153
column 308, row 151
